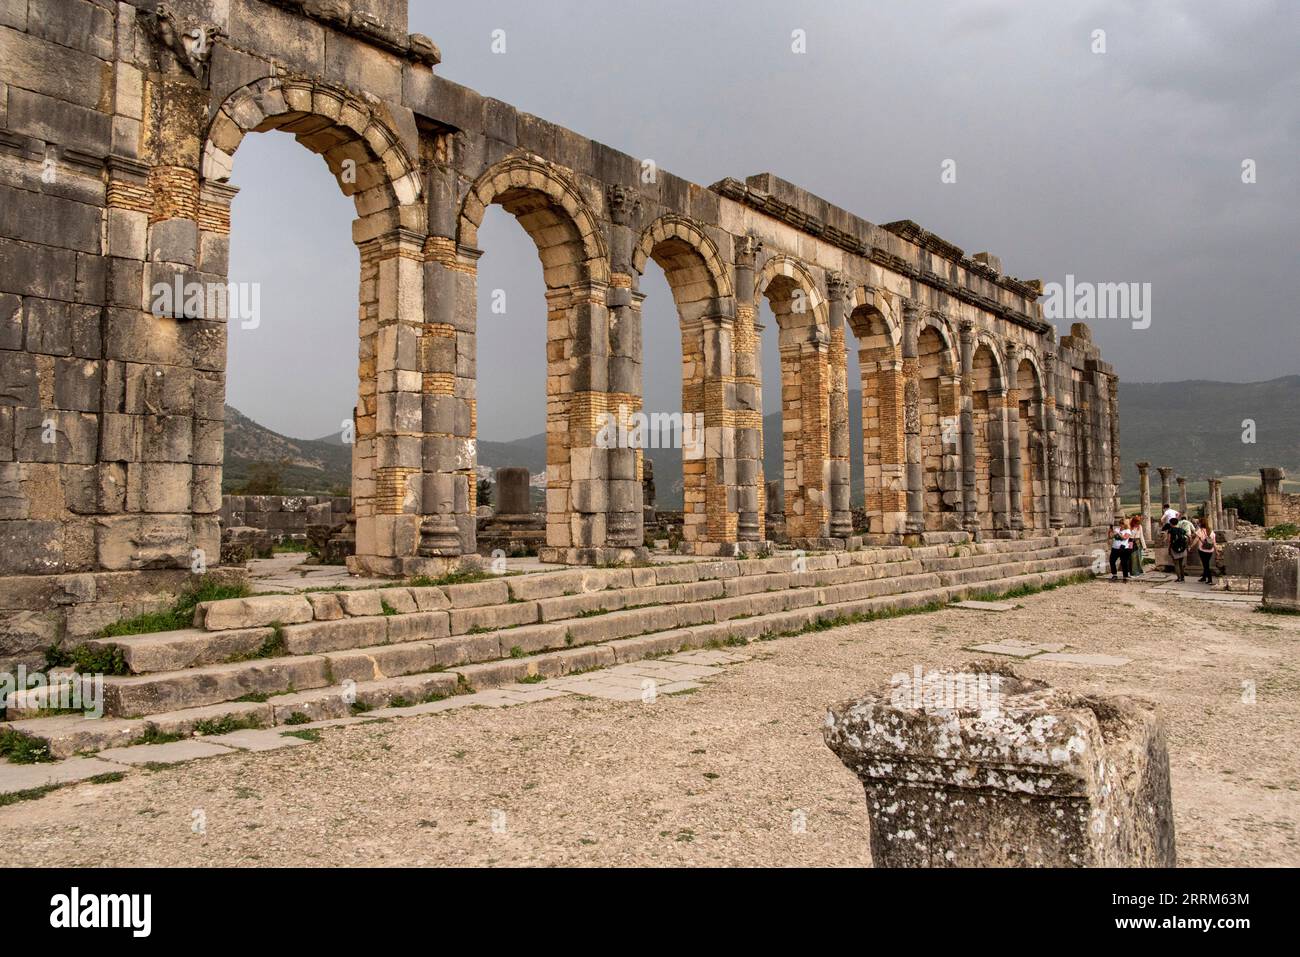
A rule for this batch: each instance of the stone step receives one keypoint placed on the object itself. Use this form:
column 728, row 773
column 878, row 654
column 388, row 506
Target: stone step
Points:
column 358, row 619
column 69, row 735
column 324, row 664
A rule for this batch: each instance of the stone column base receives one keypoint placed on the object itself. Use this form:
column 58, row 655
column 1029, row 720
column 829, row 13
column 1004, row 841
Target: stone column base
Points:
column 980, row 768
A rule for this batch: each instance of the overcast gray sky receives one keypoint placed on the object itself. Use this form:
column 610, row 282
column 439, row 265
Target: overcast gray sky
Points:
column 1115, row 167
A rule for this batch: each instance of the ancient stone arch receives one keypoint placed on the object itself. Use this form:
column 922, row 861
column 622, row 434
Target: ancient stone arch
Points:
column 551, row 210
column 111, row 412
column 575, row 266
column 371, row 165
column 702, row 291
column 1029, row 398
column 989, row 395
column 939, row 412
column 806, row 383
column 880, row 359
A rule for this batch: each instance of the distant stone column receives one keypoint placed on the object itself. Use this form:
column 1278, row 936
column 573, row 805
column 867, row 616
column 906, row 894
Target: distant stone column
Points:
column 980, row 769
column 1144, row 494
column 1270, row 485
column 1055, row 517
column 1165, row 471
column 1182, row 495
column 1216, row 502
column 912, row 417
column 969, row 494
column 841, row 522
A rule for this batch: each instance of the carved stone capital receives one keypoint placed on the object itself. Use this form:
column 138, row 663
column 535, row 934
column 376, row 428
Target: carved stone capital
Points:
column 747, row 250
column 188, row 41
column 837, row 286
column 624, row 204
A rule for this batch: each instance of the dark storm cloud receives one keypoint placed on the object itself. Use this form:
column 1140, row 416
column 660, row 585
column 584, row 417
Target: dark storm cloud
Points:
column 1115, row 167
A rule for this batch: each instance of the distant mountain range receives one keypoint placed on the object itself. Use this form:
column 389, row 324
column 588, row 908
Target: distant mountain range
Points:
column 1195, row 426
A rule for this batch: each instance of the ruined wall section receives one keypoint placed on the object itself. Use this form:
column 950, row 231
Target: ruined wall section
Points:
column 119, row 124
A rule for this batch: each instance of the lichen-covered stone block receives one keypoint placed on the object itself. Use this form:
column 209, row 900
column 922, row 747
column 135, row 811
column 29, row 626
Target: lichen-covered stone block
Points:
column 980, row 768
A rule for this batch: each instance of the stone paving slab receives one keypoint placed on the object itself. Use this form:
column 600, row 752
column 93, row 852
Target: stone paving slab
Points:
column 529, row 693
column 708, row 657
column 429, row 707
column 173, row 752
column 25, row 777
column 666, row 670
column 985, row 605
column 676, row 687
column 1013, row 649
column 1017, row 649
column 1075, row 658
column 259, row 740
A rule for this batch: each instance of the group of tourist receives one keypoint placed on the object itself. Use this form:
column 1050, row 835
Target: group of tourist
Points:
column 1128, row 545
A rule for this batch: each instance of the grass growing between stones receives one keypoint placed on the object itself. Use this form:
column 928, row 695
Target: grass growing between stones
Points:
column 88, row 659
column 35, row 794
column 22, row 748
column 180, row 615
column 152, row 734
column 225, row 725
column 1275, row 610
column 273, row 646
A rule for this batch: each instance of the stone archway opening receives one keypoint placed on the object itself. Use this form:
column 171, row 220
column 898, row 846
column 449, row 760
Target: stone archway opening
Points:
column 371, row 167
column 939, row 400
column 987, row 398
column 883, row 458
column 1033, row 446
column 805, row 384
column 576, row 275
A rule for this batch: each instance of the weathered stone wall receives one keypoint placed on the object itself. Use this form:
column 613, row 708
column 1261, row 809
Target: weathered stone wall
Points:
column 1280, row 508
column 119, row 125
column 284, row 516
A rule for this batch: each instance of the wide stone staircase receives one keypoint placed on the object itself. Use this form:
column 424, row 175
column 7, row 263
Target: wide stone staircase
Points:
column 280, row 659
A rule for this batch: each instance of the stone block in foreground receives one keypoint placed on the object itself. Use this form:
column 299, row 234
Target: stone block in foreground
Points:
column 1014, row 773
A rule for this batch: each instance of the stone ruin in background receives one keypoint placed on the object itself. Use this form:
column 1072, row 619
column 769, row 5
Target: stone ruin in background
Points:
column 119, row 127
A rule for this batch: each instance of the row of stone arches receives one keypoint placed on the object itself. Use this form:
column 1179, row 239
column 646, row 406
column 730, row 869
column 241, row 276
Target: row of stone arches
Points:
column 416, row 418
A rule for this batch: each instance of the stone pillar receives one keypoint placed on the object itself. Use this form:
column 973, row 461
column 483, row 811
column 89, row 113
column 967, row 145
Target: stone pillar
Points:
column 1182, row 495
column 969, row 492
column 1216, row 502
column 625, row 524
column 912, row 418
column 1052, row 779
column 749, row 400
column 1270, row 486
column 838, row 482
column 1144, row 496
column 399, row 513
column 447, row 350
column 512, row 491
column 1055, row 517
column 1165, row 471
column 1015, row 468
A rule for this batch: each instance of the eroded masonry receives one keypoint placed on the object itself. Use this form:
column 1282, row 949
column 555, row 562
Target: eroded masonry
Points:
column 119, row 127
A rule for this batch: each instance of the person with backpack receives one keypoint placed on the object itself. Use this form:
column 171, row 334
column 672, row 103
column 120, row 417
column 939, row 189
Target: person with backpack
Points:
column 1180, row 537
column 1205, row 542
column 1121, row 550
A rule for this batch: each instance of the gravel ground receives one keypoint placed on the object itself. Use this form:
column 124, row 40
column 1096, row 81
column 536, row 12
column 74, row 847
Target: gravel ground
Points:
column 713, row 777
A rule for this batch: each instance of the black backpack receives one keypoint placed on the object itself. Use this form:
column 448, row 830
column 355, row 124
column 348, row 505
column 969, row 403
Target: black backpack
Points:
column 1177, row 539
